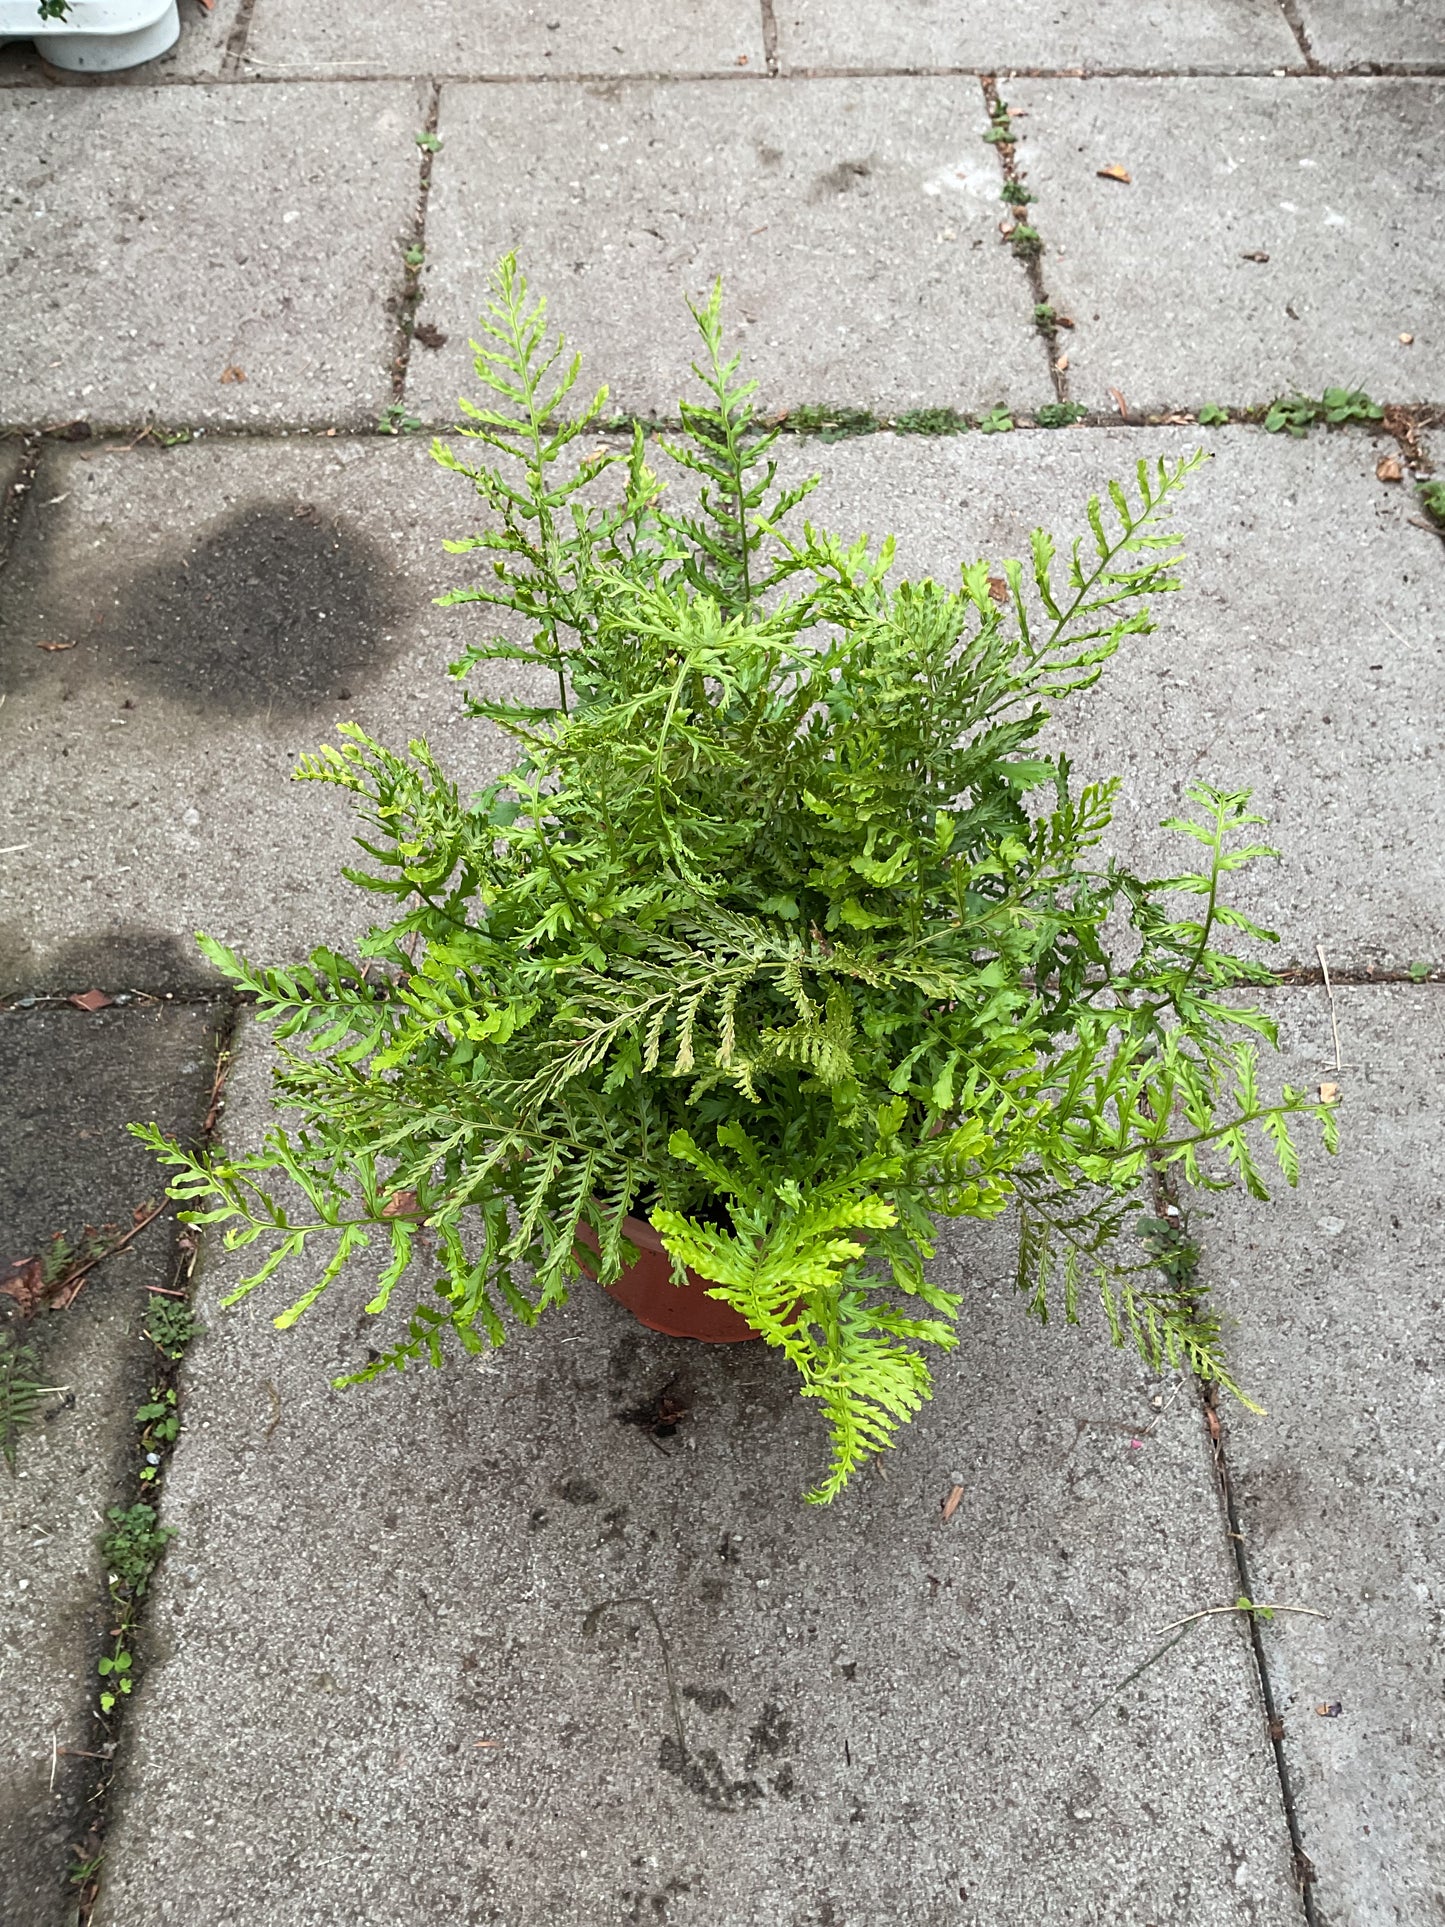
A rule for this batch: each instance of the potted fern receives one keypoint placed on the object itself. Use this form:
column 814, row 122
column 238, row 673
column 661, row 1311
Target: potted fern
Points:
column 781, row 936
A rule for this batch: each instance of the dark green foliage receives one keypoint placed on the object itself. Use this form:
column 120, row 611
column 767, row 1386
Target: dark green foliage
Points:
column 783, row 928
column 998, row 421
column 930, row 421
column 1015, row 194
column 21, row 1393
column 1432, row 497
column 1060, row 414
column 1027, row 242
column 171, row 1325
column 1211, row 415
column 133, row 1546
column 1297, row 414
column 1046, row 318
column 832, row 424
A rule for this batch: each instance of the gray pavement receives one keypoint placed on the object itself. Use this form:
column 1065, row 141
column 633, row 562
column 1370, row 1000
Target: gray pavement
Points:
column 1331, row 181
column 213, row 649
column 1339, row 1489
column 622, row 200
column 68, row 1083
column 1232, row 35
column 878, row 1717
column 410, row 1654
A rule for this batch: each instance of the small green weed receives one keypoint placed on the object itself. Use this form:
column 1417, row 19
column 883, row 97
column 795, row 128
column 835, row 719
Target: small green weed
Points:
column 1419, row 971
column 832, row 424
column 931, row 421
column 428, row 143
column 998, row 421
column 1171, row 1249
column 1432, row 500
column 1000, row 133
column 1060, row 414
column 132, row 1550
column 1026, row 241
column 1211, row 415
column 171, row 1326
column 1297, row 414
column 414, row 255
column 394, row 420
column 1016, row 194
column 1046, row 317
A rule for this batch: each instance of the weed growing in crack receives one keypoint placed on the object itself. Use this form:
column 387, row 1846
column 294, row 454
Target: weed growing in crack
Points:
column 395, row 419
column 930, row 421
column 1015, row 194
column 1211, row 415
column 1046, row 317
column 1297, row 414
column 1432, row 500
column 998, row 421
column 171, row 1325
column 1026, row 242
column 1060, row 414
column 832, row 424
column 132, row 1550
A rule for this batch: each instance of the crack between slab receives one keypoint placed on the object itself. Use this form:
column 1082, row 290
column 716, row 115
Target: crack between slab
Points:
column 257, row 76
column 770, row 37
column 1295, row 21
column 1303, row 1866
column 414, row 256
column 1028, row 246
column 18, row 495
column 236, row 42
column 104, row 1759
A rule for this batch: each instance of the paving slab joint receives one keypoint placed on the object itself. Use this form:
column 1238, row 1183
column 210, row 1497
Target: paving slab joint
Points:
column 1168, row 1208
column 1295, row 19
column 413, row 260
column 770, row 37
column 1024, row 236
column 143, row 1485
column 235, row 54
column 16, row 498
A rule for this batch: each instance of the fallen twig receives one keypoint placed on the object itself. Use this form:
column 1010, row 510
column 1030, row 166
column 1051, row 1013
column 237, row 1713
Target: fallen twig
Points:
column 1240, row 1606
column 71, row 1283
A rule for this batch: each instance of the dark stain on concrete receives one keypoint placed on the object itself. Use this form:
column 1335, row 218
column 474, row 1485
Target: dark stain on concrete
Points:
column 129, row 957
column 277, row 609
column 840, row 179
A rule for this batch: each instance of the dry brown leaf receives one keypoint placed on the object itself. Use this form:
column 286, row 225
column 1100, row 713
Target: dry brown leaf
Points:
column 90, row 1000
column 401, row 1205
column 951, row 1503
column 1388, row 469
column 998, row 588
column 1329, row 1709
column 25, row 1283
column 1063, row 321
column 232, row 373
column 1115, row 173
column 1119, row 401
column 1329, row 1093
column 1062, row 364
column 51, row 648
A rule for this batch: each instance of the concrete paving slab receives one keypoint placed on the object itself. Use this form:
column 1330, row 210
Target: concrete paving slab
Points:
column 229, row 603
column 1293, row 661
column 199, row 54
column 1297, row 660
column 1220, row 36
column 1332, row 180
column 1335, row 1291
column 465, row 1594
column 1375, row 33
column 437, row 38
column 199, row 231
column 68, row 1084
column 855, row 224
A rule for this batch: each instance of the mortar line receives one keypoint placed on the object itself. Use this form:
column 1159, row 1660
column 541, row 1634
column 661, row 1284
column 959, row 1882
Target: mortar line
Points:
column 1304, row 1871
column 1007, row 152
column 415, row 246
column 236, row 42
column 1295, row 21
column 770, row 37
column 20, row 493
column 97, row 1777
column 256, row 77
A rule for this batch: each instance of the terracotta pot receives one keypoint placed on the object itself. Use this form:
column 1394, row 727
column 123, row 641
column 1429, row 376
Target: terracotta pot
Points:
column 680, row 1311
